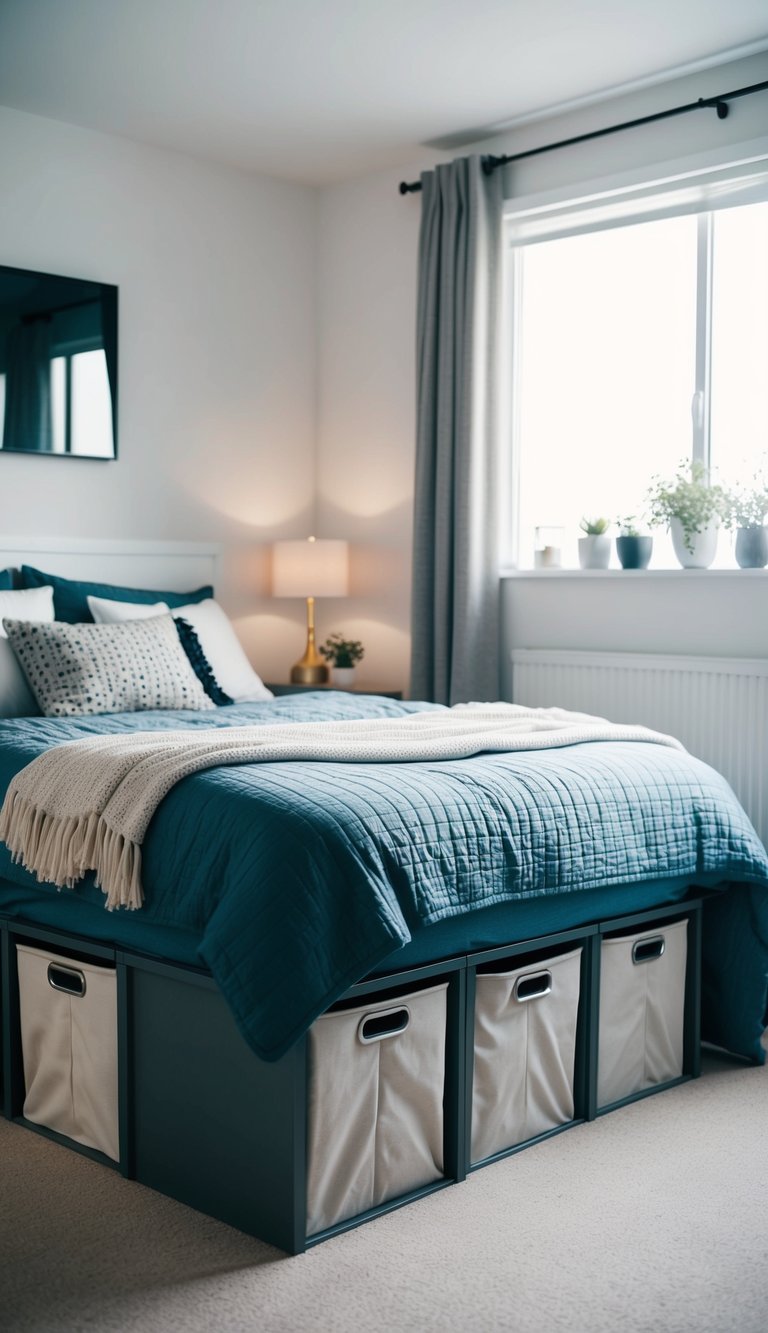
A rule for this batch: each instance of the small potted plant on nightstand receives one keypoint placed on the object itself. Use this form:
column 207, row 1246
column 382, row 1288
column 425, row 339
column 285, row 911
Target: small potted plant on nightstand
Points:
column 744, row 512
column 342, row 655
column 691, row 508
column 595, row 545
column 633, row 547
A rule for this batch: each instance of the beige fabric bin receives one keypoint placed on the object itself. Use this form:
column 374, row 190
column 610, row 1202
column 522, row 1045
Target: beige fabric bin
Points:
column 69, row 1045
column 377, row 1075
column 525, row 1044
column 642, row 1010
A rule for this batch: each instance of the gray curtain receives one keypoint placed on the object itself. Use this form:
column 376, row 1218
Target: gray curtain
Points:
column 455, row 604
column 27, row 422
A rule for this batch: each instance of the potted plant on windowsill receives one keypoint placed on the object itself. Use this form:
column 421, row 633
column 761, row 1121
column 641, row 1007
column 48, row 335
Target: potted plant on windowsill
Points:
column 633, row 547
column 342, row 655
column 744, row 513
column 691, row 509
column 595, row 545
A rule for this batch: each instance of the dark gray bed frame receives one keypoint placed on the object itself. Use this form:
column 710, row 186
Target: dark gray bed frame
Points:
column 204, row 1120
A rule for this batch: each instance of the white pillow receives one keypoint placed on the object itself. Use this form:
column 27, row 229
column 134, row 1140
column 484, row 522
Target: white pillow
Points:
column 107, row 612
column 16, row 698
column 216, row 634
column 223, row 650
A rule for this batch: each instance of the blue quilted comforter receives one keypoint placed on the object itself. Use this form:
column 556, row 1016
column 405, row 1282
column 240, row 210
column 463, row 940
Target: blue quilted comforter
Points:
column 299, row 878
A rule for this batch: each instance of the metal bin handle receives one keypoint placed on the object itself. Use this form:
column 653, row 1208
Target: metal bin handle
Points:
column 648, row 950
column 70, row 980
column 532, row 986
column 383, row 1023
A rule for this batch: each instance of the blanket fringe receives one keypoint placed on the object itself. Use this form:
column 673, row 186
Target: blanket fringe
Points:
column 61, row 849
column 118, row 869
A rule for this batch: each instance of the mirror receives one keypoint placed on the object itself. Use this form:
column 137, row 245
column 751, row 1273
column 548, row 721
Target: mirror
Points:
column 58, row 365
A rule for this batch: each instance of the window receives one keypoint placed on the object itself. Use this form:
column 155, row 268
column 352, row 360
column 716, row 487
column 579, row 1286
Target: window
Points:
column 640, row 339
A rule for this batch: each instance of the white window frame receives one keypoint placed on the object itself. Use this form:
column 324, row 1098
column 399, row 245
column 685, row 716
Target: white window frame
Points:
column 700, row 185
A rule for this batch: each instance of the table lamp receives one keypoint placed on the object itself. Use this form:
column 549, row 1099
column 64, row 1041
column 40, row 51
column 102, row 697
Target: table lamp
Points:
column 311, row 568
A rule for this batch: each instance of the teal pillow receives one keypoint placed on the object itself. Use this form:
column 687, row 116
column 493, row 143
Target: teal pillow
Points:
column 6, row 580
column 70, row 595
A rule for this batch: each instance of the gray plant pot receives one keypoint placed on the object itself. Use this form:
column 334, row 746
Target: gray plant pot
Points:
column 752, row 548
column 634, row 552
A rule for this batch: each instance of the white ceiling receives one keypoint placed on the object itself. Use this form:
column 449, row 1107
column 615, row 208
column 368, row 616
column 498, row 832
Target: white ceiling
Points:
column 316, row 90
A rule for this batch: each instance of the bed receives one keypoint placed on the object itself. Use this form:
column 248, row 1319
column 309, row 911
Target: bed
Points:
column 291, row 882
column 275, row 890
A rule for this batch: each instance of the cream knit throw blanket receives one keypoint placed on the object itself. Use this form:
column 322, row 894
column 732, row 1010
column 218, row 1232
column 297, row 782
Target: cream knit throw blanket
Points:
column 85, row 805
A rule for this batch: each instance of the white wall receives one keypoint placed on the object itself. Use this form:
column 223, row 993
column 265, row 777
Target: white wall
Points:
column 366, row 408
column 216, row 272
column 368, row 239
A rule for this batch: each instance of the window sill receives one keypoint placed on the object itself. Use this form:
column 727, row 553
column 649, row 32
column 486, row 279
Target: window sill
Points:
column 507, row 573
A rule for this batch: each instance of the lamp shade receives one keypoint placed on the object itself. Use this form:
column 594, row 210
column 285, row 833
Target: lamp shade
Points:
column 311, row 568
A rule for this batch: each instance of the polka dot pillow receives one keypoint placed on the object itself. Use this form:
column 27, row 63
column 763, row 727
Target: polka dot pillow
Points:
column 74, row 669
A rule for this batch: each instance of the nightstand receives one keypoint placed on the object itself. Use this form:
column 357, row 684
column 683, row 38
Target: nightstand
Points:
column 302, row 689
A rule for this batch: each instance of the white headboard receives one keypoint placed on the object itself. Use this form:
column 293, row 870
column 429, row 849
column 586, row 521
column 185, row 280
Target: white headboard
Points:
column 175, row 566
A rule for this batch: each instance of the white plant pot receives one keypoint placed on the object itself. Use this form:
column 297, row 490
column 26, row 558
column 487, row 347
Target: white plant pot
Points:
column 595, row 551
column 343, row 677
column 703, row 544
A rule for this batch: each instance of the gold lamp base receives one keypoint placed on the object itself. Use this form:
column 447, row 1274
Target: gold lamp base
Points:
column 309, row 675
column 310, row 669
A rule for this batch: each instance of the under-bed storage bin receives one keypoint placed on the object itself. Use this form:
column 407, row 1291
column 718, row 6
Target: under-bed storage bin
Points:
column 642, row 1010
column 68, row 1013
column 375, row 1106
column 524, row 1052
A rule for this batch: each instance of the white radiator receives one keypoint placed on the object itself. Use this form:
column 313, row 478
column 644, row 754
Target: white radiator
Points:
column 717, row 706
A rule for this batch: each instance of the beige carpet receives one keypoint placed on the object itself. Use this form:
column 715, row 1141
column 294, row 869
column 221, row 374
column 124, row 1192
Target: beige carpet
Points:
column 654, row 1218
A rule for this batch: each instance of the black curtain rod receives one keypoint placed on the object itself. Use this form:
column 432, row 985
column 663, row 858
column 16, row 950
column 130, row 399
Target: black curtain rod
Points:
column 719, row 104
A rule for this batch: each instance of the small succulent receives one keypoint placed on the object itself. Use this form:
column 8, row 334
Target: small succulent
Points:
column 595, row 527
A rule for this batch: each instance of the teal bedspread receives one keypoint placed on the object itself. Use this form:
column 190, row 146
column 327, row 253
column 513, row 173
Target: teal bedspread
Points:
column 294, row 880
